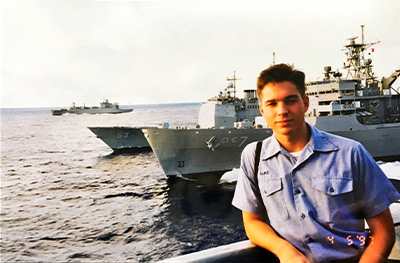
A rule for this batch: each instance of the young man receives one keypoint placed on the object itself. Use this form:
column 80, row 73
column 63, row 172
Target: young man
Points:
column 316, row 188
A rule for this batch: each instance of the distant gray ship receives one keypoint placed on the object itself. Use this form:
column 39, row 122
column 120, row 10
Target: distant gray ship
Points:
column 105, row 107
column 358, row 107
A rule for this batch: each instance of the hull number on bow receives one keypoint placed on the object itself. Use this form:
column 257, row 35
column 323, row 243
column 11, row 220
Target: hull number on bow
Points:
column 241, row 140
column 122, row 135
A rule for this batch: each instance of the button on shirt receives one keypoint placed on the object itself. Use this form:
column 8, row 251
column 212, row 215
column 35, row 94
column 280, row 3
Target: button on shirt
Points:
column 319, row 201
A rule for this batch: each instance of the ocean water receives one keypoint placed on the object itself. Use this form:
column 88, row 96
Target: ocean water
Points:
column 66, row 198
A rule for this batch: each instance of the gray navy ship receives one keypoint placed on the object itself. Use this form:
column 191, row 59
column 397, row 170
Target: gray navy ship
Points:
column 122, row 138
column 105, row 107
column 357, row 106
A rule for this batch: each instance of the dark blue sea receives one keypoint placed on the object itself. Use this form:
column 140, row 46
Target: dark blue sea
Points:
column 66, row 198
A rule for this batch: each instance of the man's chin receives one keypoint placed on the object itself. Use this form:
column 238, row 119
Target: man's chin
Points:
column 285, row 131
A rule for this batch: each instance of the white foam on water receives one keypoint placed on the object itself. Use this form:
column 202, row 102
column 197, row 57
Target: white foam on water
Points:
column 230, row 176
column 391, row 169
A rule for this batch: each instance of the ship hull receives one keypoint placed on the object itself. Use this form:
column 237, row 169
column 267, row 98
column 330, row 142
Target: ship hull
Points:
column 187, row 153
column 381, row 144
column 382, row 141
column 193, row 152
column 122, row 139
column 59, row 112
column 98, row 111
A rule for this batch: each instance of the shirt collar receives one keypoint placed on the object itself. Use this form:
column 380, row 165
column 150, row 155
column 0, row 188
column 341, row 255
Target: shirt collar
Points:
column 272, row 149
column 318, row 142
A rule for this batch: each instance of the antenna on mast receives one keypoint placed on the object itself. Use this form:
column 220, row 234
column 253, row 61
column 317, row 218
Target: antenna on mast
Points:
column 362, row 34
column 273, row 58
column 234, row 83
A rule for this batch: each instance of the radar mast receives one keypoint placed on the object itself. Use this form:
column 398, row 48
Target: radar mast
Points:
column 357, row 66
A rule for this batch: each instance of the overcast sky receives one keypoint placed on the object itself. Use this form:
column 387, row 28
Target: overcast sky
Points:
column 57, row 52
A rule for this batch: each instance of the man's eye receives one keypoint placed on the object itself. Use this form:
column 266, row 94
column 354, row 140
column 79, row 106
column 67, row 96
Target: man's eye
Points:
column 271, row 104
column 291, row 101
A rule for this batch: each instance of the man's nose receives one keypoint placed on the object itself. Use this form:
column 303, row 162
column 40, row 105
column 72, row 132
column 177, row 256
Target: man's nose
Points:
column 282, row 108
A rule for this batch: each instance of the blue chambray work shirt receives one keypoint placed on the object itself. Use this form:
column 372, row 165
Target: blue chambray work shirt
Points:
column 319, row 202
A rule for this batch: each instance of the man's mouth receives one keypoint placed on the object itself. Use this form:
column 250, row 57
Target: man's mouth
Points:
column 283, row 122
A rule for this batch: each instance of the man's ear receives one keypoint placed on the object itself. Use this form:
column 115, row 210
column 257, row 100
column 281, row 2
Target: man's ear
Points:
column 261, row 108
column 306, row 102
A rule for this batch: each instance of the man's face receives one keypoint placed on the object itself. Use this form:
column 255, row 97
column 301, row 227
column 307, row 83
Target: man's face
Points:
column 283, row 107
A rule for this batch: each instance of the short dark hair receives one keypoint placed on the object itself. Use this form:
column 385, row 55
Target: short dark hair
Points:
column 281, row 73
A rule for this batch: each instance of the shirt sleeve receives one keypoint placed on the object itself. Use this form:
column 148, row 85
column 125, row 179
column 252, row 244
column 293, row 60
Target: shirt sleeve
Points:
column 373, row 190
column 247, row 194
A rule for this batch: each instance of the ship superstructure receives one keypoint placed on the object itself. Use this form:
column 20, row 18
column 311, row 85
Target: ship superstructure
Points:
column 360, row 93
column 228, row 111
column 359, row 106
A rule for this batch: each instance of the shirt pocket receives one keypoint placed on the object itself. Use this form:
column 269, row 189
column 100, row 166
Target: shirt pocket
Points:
column 333, row 186
column 273, row 198
column 334, row 198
